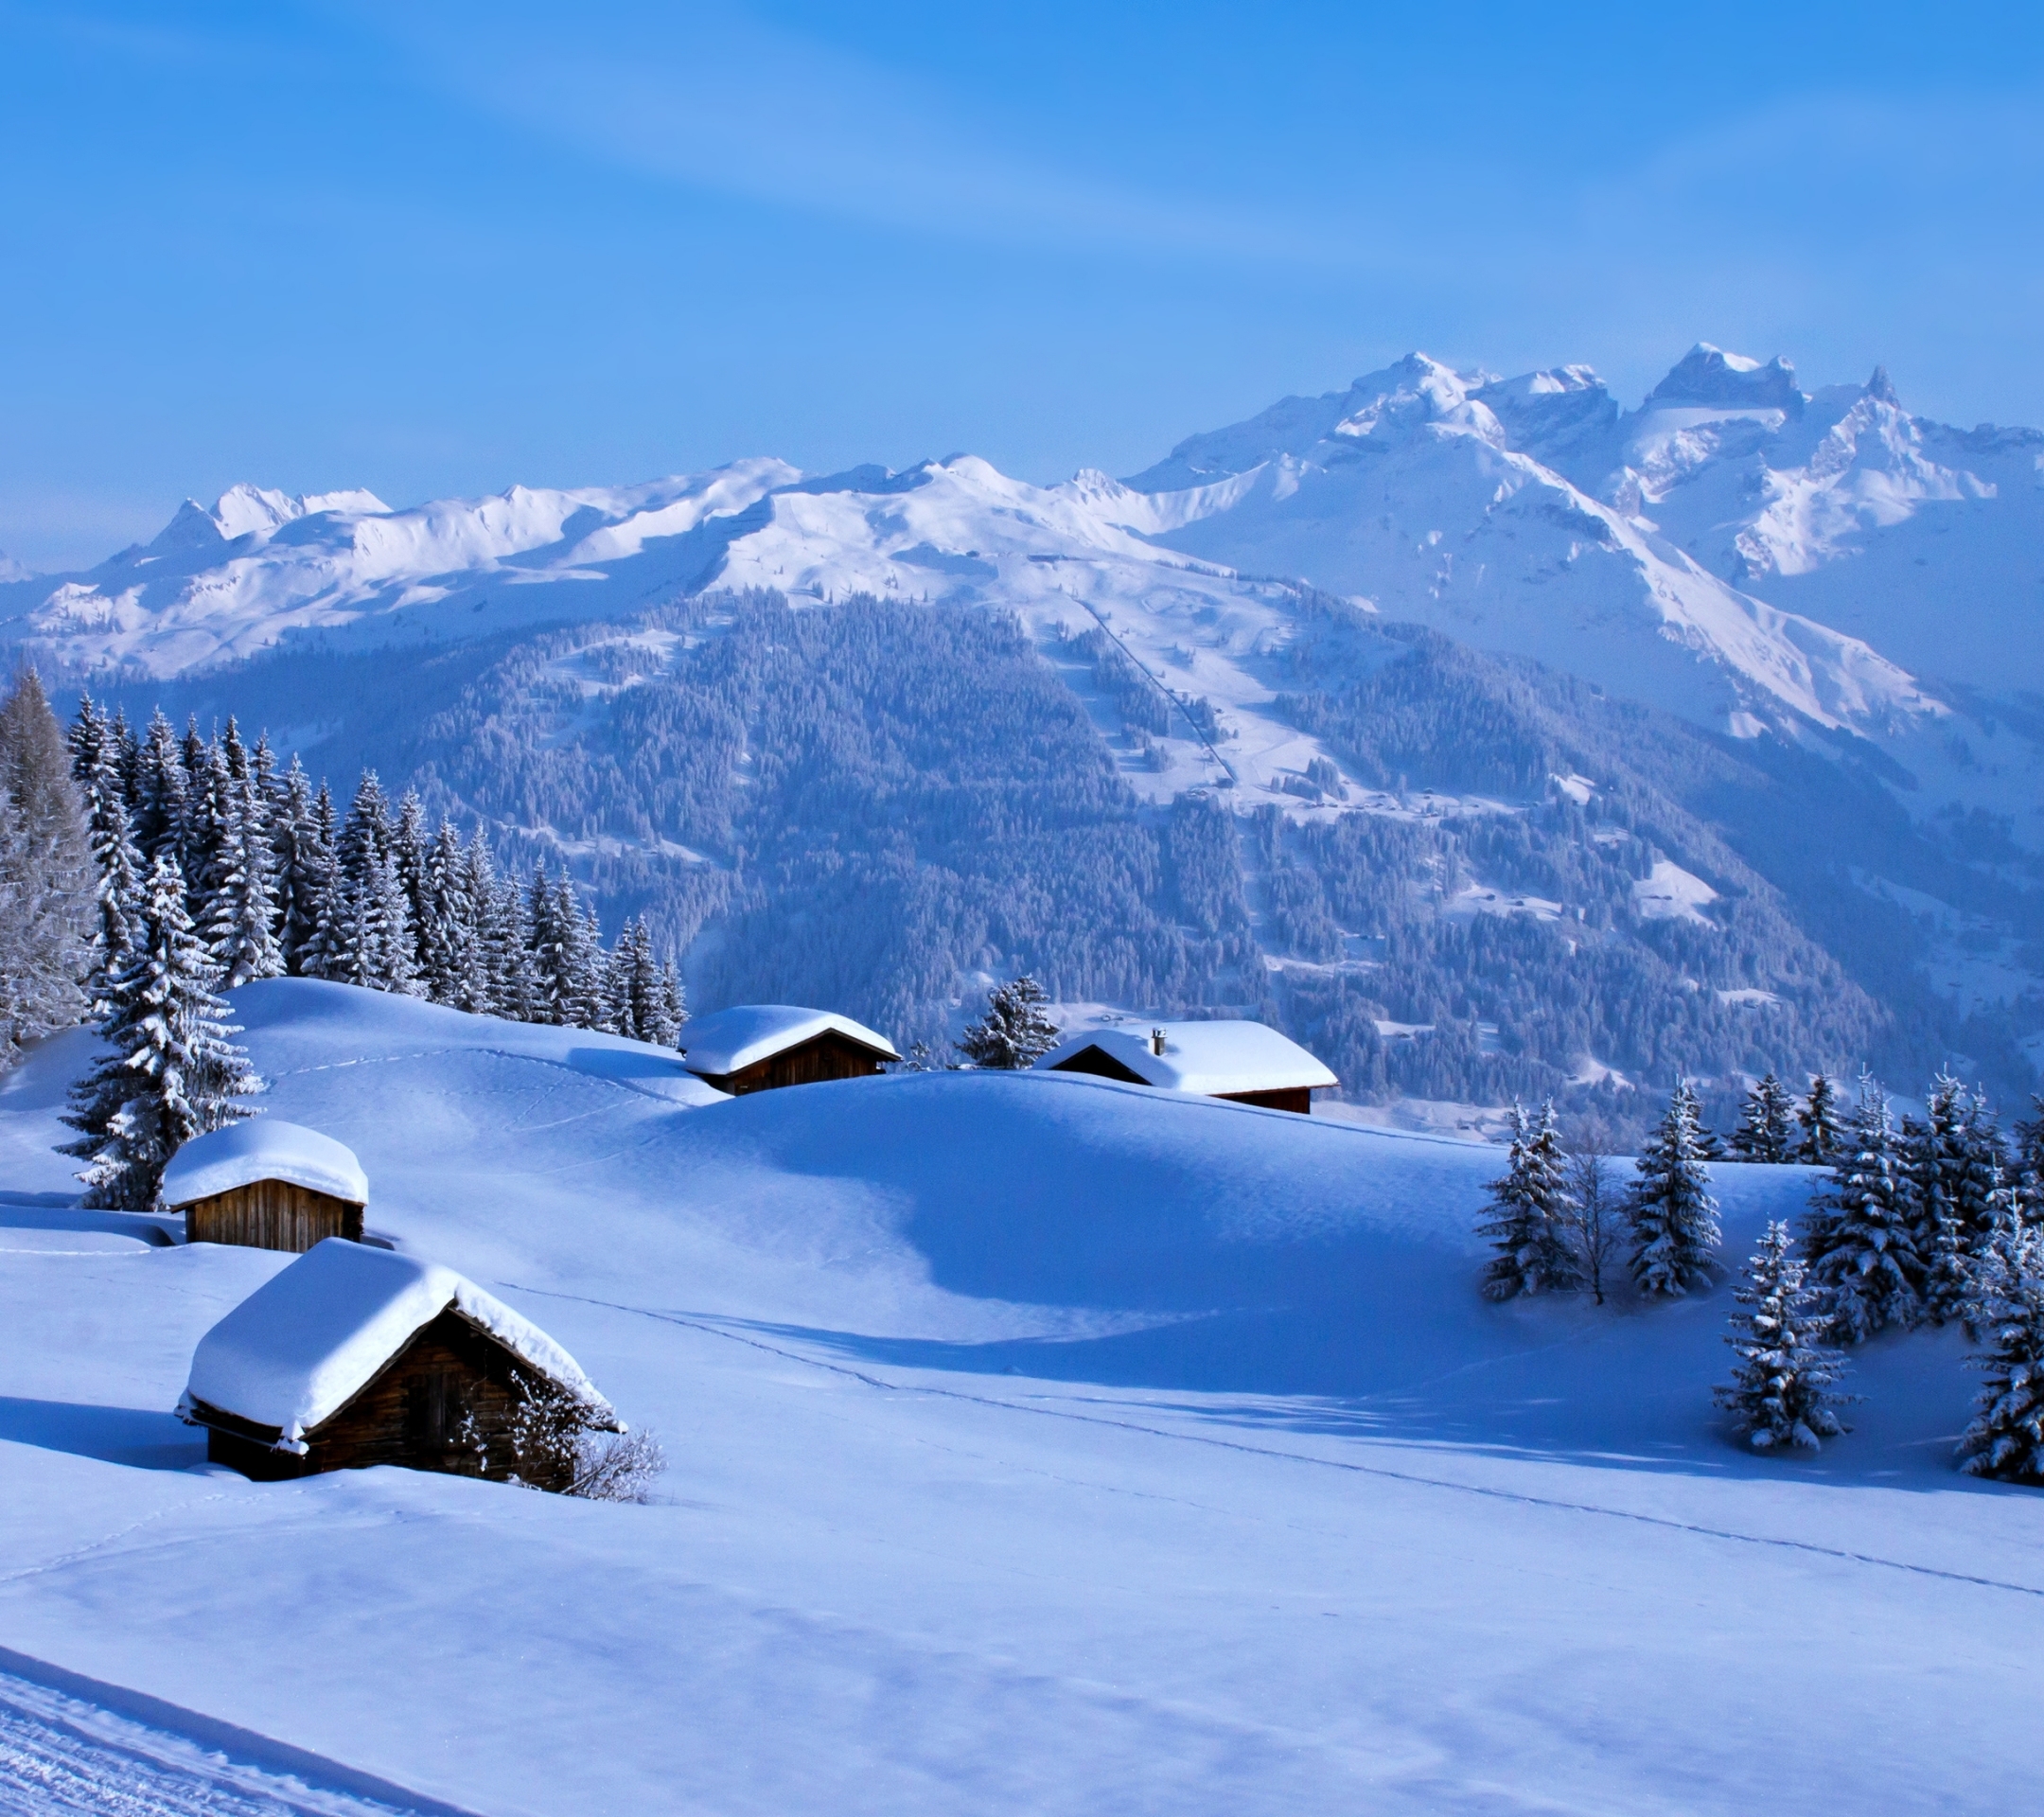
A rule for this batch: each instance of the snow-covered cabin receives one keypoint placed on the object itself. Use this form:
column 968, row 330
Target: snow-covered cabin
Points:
column 354, row 1355
column 266, row 1185
column 759, row 1047
column 1243, row 1062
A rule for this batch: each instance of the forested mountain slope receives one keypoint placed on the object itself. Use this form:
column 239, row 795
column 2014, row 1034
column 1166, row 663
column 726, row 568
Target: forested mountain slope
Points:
column 1487, row 879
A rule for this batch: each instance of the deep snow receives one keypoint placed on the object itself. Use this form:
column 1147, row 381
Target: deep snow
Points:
column 1037, row 1443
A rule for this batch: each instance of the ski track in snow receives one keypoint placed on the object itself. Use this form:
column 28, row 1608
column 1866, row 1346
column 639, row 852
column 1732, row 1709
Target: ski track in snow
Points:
column 713, row 1328
column 62, row 1755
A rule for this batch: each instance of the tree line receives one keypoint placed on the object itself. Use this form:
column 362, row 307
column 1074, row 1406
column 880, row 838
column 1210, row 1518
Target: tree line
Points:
column 1929, row 1219
column 210, row 870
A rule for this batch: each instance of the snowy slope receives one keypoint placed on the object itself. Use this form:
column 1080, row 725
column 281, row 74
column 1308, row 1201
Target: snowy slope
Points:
column 1839, row 504
column 1039, row 1444
column 1408, row 490
column 226, row 582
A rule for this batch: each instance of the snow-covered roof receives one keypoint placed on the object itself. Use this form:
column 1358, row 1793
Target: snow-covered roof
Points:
column 1210, row 1058
column 263, row 1149
column 741, row 1037
column 298, row 1348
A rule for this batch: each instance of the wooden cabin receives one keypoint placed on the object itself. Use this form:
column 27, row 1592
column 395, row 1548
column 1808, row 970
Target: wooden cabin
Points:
column 354, row 1355
column 1242, row 1062
column 266, row 1185
column 762, row 1047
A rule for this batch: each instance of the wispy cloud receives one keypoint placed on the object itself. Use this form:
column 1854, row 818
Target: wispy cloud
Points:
column 740, row 108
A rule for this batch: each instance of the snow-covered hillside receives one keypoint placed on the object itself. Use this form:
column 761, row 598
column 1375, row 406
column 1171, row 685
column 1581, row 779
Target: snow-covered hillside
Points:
column 1038, row 1444
column 1524, row 515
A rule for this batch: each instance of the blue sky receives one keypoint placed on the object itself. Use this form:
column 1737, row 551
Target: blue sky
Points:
column 442, row 249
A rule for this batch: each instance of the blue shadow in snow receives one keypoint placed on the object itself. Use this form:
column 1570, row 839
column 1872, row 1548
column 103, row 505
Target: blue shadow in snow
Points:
column 130, row 1435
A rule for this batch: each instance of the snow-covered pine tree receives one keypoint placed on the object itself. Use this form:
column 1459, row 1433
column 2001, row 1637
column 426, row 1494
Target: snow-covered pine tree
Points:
column 447, row 926
column 1528, row 1224
column 241, row 933
column 1860, row 1238
column 203, row 841
column 409, row 843
column 116, row 862
column 88, row 738
column 550, row 947
column 621, row 1012
column 127, row 755
column 513, row 972
column 235, row 753
column 302, row 866
column 45, row 873
column 1767, row 1131
column 157, row 798
column 648, row 997
column 1780, row 1391
column 169, row 1069
column 673, row 1011
column 379, row 924
column 2026, row 1163
column 366, row 935
column 482, row 974
column 1674, row 1219
column 2007, row 1437
column 1014, row 1033
column 1947, row 1265
column 1822, row 1123
column 591, row 1009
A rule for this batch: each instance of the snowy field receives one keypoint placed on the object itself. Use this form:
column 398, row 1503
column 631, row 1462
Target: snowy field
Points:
column 1036, row 1444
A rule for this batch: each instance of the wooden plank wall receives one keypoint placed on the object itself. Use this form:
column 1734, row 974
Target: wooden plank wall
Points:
column 272, row 1214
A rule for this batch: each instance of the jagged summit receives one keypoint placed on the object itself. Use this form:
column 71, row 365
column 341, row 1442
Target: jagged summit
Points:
column 1709, row 375
column 1881, row 389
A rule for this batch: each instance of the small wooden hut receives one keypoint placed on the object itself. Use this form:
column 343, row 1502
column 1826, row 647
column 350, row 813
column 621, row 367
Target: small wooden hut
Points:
column 354, row 1355
column 266, row 1185
column 761, row 1047
column 1242, row 1062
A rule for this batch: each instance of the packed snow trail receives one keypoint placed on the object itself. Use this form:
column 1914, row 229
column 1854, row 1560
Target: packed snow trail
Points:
column 62, row 1755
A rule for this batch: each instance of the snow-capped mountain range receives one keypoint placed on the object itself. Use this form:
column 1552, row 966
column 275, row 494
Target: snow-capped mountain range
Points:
column 1735, row 550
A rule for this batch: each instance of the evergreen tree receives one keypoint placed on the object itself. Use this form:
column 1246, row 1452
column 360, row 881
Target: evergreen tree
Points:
column 2007, row 1437
column 447, row 933
column 1014, row 1033
column 117, row 861
column 1529, row 1224
column 550, row 944
column 1955, row 1162
column 365, row 934
column 1780, row 1391
column 482, row 976
column 1767, row 1131
column 205, row 840
column 408, row 852
column 673, row 1011
column 1823, row 1127
column 157, row 797
column 116, row 892
column 170, row 1071
column 2029, row 1133
column 1947, row 1282
column 621, row 1012
column 1674, row 1219
column 127, row 757
column 1861, row 1237
column 303, row 865
column 88, row 738
column 585, row 964
column 241, row 929
column 515, row 985
column 46, row 880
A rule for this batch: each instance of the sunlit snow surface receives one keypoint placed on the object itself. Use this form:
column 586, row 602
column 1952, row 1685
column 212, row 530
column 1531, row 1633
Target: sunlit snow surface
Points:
column 1037, row 1444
